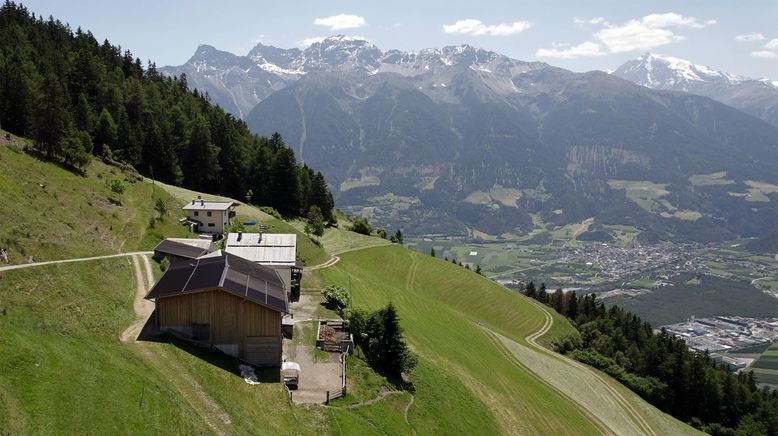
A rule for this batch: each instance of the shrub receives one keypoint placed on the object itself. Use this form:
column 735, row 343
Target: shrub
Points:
column 235, row 227
column 160, row 207
column 117, row 186
column 164, row 264
column 336, row 297
column 361, row 226
column 270, row 211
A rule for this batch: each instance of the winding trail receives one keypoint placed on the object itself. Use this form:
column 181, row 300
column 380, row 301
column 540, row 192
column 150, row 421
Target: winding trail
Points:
column 79, row 259
column 405, row 414
column 617, row 396
column 374, row 400
column 622, row 400
column 335, row 256
column 333, row 260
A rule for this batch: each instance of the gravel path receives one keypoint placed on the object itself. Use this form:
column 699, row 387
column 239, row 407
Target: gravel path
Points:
column 80, row 259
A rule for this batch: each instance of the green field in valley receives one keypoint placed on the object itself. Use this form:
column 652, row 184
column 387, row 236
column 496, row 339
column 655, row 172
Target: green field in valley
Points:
column 766, row 366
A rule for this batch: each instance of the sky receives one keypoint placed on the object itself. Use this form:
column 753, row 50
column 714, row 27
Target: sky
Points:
column 739, row 37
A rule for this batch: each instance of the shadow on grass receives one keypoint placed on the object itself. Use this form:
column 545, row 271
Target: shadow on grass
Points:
column 206, row 353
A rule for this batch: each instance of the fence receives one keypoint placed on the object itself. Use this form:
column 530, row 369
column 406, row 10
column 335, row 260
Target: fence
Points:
column 331, row 395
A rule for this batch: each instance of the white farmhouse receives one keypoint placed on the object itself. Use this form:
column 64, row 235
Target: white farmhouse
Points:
column 209, row 216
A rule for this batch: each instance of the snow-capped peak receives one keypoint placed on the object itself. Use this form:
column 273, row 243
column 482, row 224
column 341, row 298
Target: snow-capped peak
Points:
column 669, row 72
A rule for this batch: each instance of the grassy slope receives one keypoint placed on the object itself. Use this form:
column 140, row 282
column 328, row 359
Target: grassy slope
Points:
column 62, row 368
column 439, row 304
column 71, row 216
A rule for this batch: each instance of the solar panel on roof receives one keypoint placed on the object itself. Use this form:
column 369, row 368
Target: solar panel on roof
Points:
column 238, row 276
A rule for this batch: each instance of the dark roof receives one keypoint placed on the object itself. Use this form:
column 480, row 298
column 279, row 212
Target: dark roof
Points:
column 179, row 249
column 240, row 277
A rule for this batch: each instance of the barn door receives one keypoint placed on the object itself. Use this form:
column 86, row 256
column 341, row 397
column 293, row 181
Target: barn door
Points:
column 263, row 350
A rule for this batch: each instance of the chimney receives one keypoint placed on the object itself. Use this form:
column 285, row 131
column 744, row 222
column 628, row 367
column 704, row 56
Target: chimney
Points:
column 193, row 202
column 240, row 236
column 202, row 202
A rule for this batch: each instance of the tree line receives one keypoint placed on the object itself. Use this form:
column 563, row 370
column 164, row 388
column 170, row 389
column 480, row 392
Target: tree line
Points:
column 660, row 367
column 76, row 97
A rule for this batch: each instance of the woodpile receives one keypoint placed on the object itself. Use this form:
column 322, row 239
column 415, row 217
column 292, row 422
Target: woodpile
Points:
column 329, row 335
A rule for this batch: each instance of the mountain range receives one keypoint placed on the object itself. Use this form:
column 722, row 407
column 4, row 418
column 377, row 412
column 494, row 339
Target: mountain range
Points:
column 756, row 97
column 464, row 141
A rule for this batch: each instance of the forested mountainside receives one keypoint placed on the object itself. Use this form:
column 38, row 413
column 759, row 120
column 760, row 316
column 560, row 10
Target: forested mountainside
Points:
column 75, row 96
column 460, row 140
column 661, row 368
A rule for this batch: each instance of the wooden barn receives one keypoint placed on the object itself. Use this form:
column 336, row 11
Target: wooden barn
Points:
column 225, row 301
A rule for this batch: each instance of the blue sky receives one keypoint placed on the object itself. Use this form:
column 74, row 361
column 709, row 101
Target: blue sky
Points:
column 577, row 35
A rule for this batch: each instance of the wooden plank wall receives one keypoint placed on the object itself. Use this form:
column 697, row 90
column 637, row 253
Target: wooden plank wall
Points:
column 232, row 319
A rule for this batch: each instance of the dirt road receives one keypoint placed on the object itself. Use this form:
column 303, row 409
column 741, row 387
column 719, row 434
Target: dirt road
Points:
column 80, row 259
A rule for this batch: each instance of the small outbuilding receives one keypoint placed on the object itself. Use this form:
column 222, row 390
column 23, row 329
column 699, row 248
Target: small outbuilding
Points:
column 224, row 301
column 178, row 249
column 274, row 250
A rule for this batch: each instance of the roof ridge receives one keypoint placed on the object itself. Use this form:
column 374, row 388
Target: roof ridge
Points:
column 190, row 275
column 224, row 271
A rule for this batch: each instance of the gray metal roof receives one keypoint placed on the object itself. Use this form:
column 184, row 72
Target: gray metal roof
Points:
column 179, row 249
column 264, row 248
column 208, row 205
column 245, row 279
column 206, row 243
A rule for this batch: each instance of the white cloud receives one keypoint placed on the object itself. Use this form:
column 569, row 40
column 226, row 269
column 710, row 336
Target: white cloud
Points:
column 749, row 37
column 310, row 41
column 475, row 27
column 341, row 22
column 770, row 50
column 644, row 33
column 767, row 54
column 583, row 49
column 649, row 32
column 595, row 20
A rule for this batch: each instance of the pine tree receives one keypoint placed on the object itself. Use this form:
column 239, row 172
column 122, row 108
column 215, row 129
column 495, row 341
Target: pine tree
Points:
column 51, row 117
column 530, row 290
column 284, row 183
column 202, row 155
column 106, row 131
column 396, row 357
column 432, row 251
column 315, row 224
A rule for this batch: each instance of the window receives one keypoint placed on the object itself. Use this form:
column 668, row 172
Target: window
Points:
column 211, row 225
column 197, row 213
column 209, row 213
